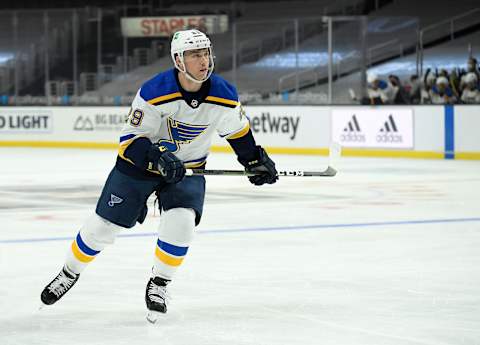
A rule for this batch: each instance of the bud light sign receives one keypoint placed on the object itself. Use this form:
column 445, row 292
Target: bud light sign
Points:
column 24, row 120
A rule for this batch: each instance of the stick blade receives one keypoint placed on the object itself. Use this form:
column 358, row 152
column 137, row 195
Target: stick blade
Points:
column 329, row 172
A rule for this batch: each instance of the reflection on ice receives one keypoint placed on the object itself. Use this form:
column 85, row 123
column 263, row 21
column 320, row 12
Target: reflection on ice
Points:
column 386, row 252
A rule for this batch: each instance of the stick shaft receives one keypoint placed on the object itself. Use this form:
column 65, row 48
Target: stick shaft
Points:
column 329, row 172
column 334, row 154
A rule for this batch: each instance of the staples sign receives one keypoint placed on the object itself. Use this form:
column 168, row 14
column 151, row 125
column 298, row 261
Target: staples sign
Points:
column 166, row 26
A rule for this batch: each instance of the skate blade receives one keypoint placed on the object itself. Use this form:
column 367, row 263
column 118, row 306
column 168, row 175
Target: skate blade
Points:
column 154, row 316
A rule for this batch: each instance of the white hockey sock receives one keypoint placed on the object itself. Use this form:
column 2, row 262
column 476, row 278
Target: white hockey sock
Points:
column 175, row 233
column 92, row 238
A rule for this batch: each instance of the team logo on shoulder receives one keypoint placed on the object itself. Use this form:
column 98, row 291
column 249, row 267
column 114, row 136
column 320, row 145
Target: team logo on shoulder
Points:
column 181, row 133
column 114, row 200
column 242, row 112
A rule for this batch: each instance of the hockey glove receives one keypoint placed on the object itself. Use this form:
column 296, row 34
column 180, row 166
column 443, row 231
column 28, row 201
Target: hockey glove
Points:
column 263, row 166
column 169, row 166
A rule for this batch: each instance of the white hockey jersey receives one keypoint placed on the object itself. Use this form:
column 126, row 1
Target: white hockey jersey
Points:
column 160, row 113
column 470, row 96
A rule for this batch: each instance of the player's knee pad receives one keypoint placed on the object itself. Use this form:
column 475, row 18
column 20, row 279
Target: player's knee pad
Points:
column 177, row 226
column 98, row 232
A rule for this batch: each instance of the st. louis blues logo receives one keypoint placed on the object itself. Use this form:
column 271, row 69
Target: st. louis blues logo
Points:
column 181, row 133
column 114, row 200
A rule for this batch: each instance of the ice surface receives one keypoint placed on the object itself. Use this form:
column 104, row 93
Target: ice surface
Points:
column 387, row 252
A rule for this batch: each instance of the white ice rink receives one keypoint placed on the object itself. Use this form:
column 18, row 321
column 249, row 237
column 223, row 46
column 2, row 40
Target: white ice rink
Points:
column 385, row 253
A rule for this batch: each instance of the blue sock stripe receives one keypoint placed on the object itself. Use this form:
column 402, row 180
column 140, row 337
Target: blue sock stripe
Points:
column 84, row 248
column 449, row 132
column 171, row 249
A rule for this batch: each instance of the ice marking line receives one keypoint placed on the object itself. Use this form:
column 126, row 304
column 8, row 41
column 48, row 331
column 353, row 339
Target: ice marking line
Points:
column 351, row 329
column 265, row 229
column 449, row 131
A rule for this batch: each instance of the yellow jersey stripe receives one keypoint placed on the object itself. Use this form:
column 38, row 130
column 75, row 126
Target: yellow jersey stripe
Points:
column 167, row 259
column 241, row 133
column 79, row 255
column 194, row 165
column 222, row 100
column 122, row 148
column 165, row 97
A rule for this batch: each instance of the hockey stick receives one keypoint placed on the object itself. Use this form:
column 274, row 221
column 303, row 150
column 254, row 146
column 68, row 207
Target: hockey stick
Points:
column 330, row 171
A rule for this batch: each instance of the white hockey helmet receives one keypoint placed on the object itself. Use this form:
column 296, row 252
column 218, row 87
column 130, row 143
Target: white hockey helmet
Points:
column 189, row 40
column 471, row 78
column 371, row 77
column 442, row 80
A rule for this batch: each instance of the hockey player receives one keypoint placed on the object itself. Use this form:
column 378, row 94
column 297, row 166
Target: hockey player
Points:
column 471, row 91
column 378, row 91
column 169, row 128
column 441, row 92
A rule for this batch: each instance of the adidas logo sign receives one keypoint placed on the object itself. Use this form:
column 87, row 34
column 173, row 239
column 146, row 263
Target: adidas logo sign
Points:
column 388, row 133
column 352, row 132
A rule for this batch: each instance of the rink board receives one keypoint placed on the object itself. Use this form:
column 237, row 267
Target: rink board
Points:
column 401, row 131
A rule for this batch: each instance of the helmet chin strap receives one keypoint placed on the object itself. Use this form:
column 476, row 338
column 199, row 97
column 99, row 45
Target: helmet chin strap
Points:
column 192, row 78
column 188, row 75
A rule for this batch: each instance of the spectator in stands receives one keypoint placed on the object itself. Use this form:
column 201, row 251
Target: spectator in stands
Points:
column 471, row 92
column 441, row 92
column 398, row 93
column 472, row 67
column 415, row 89
column 455, row 83
column 443, row 73
column 378, row 91
column 451, row 77
column 428, row 83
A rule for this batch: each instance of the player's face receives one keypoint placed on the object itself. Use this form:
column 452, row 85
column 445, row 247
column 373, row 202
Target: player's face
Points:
column 197, row 62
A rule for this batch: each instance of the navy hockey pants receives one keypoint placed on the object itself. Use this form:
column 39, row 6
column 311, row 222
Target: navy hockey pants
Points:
column 124, row 198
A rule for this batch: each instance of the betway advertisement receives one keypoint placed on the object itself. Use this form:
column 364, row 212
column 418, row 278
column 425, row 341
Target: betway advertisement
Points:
column 273, row 126
column 289, row 126
column 166, row 26
column 389, row 127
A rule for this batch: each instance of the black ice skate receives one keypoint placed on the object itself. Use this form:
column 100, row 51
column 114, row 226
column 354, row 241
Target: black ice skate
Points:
column 59, row 286
column 156, row 297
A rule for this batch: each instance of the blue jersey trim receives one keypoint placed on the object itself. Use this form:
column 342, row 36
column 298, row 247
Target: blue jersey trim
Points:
column 126, row 137
column 222, row 88
column 196, row 160
column 160, row 85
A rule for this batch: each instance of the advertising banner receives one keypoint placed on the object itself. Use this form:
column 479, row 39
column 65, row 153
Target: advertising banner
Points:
column 99, row 121
column 373, row 127
column 166, row 26
column 24, row 120
column 72, row 124
column 278, row 126
column 94, row 123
